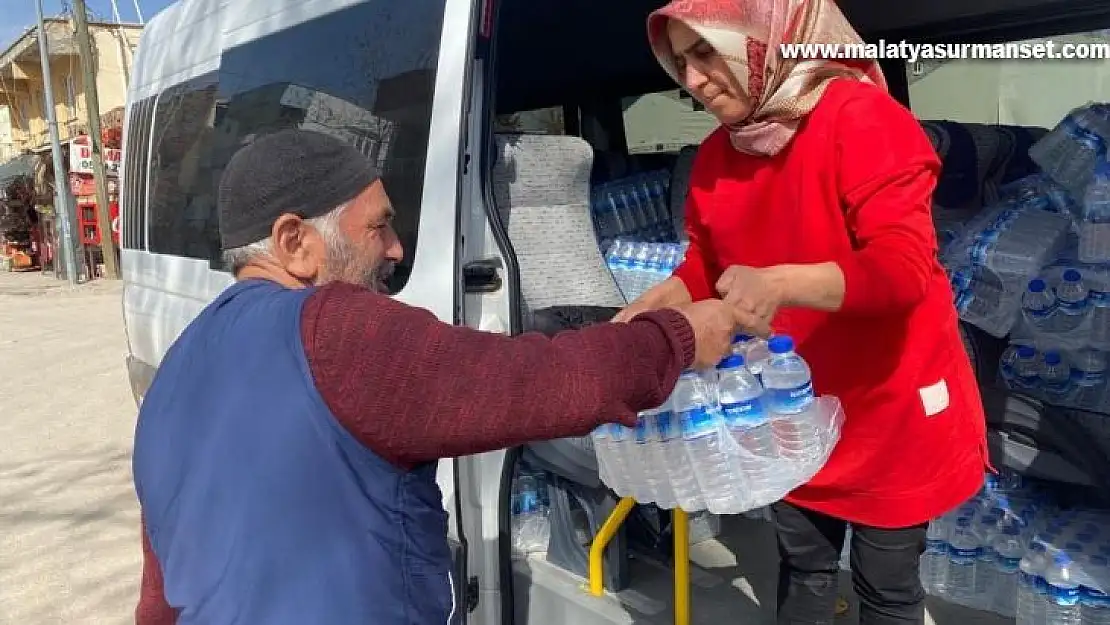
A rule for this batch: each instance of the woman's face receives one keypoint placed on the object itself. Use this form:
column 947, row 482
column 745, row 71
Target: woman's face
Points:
column 706, row 75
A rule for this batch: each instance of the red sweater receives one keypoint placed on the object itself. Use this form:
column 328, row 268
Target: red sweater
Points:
column 855, row 187
column 460, row 391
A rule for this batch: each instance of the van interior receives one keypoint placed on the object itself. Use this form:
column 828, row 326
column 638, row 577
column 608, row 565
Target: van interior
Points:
column 578, row 100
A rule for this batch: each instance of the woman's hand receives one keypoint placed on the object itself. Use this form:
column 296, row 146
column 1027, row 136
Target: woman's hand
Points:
column 757, row 292
column 669, row 293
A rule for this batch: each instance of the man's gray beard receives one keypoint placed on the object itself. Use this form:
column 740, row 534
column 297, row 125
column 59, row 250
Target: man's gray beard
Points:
column 340, row 265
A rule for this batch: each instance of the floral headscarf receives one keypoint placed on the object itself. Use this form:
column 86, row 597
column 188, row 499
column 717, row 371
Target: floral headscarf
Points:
column 747, row 34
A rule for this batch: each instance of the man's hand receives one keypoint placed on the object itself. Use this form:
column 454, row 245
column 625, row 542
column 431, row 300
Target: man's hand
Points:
column 667, row 294
column 752, row 291
column 715, row 323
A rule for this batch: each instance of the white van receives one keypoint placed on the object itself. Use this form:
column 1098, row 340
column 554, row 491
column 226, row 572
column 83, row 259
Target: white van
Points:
column 490, row 120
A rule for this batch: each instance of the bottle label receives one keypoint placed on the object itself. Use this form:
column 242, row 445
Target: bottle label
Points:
column 792, row 399
column 963, row 556
column 1087, row 378
column 936, row 547
column 698, row 422
column 1094, row 598
column 1040, row 314
column 1063, row 596
column 749, row 412
column 1007, row 565
column 643, row 434
column 1058, row 387
column 665, row 426
column 1073, row 307
column 617, row 432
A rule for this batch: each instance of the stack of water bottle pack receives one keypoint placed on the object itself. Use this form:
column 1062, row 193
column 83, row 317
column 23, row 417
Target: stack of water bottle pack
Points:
column 998, row 252
column 994, row 256
column 1012, row 551
column 1058, row 350
column 531, row 525
column 727, row 441
column 637, row 265
column 634, row 207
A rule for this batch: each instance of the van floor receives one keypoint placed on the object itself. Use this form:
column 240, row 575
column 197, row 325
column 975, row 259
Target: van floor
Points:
column 732, row 580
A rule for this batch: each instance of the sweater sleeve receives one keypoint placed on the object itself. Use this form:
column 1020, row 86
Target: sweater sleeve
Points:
column 887, row 171
column 153, row 608
column 414, row 389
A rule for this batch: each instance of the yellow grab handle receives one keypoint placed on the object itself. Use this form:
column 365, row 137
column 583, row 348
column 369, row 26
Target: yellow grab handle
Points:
column 681, row 567
column 601, row 541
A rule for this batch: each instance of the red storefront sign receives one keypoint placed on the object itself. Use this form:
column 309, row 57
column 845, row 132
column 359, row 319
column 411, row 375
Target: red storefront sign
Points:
column 87, row 222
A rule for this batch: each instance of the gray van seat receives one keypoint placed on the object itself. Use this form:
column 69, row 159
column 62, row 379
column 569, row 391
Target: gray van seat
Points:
column 541, row 186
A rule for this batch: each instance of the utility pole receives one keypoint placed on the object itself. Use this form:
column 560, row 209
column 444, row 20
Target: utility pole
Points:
column 63, row 209
column 92, row 103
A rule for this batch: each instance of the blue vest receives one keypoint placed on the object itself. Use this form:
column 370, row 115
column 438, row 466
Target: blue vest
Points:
column 261, row 507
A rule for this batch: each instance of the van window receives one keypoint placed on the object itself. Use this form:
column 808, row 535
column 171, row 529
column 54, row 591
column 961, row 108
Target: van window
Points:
column 182, row 207
column 365, row 74
column 136, row 161
column 665, row 122
column 1021, row 92
column 545, row 121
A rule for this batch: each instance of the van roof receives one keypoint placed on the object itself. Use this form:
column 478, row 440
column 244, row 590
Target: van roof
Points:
column 185, row 39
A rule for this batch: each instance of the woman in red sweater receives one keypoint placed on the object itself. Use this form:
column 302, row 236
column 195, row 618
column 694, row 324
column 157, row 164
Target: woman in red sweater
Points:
column 810, row 207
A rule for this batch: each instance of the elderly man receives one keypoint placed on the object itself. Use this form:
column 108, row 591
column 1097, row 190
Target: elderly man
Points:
column 285, row 454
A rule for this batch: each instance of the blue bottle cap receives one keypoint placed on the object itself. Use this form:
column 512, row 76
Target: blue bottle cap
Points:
column 1071, row 275
column 741, row 338
column 1026, row 352
column 1036, row 285
column 731, row 362
column 1052, row 358
column 780, row 344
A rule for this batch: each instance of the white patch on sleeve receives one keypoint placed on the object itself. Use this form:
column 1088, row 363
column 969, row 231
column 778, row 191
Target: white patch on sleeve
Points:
column 934, row 398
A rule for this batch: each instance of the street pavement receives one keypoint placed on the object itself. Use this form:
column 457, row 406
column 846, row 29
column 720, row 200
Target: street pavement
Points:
column 69, row 538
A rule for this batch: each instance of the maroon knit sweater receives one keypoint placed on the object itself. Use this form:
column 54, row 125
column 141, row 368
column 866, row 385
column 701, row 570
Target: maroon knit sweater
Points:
column 379, row 363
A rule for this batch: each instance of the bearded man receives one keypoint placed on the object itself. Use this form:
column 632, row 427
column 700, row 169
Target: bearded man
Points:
column 285, row 454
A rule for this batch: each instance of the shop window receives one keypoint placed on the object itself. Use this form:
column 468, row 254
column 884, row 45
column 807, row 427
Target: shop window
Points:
column 365, row 74
column 665, row 122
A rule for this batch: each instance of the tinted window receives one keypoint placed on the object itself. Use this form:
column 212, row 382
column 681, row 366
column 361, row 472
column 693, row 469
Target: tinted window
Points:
column 182, row 200
column 136, row 160
column 545, row 121
column 665, row 122
column 365, row 74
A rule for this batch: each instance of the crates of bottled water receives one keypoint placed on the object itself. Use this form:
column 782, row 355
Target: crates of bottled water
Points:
column 996, row 255
column 637, row 265
column 727, row 441
column 634, row 207
column 1012, row 551
column 1069, row 153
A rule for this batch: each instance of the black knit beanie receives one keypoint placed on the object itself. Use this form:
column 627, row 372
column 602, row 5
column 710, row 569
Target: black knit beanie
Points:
column 295, row 171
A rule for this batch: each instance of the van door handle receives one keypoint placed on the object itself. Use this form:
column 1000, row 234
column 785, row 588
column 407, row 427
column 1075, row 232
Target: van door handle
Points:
column 482, row 276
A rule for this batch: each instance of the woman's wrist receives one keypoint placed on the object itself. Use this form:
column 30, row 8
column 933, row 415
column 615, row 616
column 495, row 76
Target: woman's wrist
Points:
column 819, row 286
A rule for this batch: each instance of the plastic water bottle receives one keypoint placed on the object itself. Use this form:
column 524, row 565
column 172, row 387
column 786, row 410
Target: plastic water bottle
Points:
column 707, row 442
column 680, row 469
column 790, row 397
column 1038, row 304
column 609, row 444
column 649, row 439
column 985, row 532
column 1055, row 375
column 1094, row 605
column 963, row 557
column 1007, row 364
column 1008, row 552
column 1094, row 228
column 1028, row 369
column 530, row 524
column 746, row 418
column 1063, row 591
column 756, row 355
column 1100, row 318
column 1030, row 608
column 934, row 562
column 1071, row 296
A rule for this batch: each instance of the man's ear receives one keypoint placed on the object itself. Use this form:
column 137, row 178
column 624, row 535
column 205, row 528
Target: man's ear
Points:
column 296, row 248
